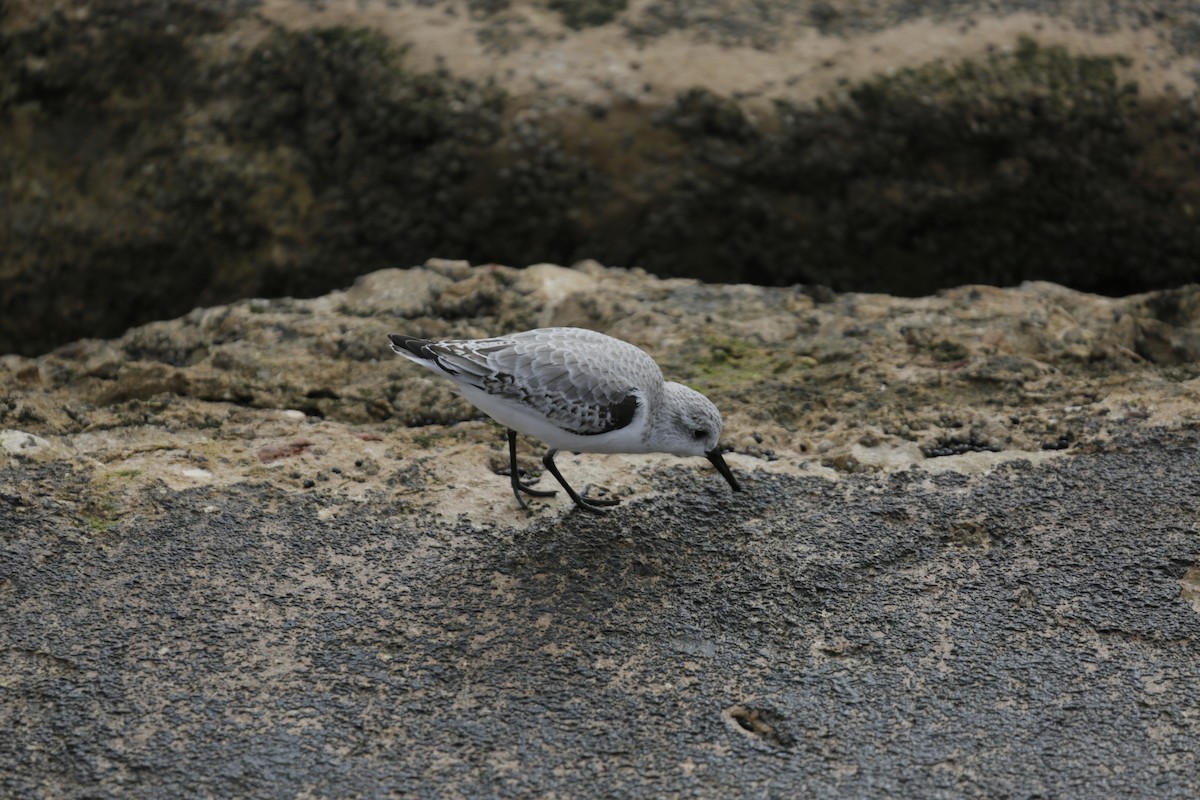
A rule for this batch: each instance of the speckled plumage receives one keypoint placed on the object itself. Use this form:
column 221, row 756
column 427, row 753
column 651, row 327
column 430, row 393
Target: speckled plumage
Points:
column 583, row 381
column 576, row 390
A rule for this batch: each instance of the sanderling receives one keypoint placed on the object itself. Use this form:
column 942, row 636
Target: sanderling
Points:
column 576, row 390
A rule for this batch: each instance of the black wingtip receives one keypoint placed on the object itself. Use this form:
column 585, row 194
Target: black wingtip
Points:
column 410, row 344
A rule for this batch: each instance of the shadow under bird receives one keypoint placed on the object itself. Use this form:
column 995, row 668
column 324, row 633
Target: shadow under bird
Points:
column 576, row 390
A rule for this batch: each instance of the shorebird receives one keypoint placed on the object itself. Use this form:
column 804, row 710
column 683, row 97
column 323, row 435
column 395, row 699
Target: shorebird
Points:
column 576, row 390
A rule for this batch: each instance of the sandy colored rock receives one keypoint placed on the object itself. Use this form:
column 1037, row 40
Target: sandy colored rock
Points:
column 27, row 446
column 854, row 382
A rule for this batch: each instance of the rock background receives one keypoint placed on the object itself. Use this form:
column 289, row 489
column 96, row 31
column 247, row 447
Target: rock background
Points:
column 157, row 157
column 250, row 552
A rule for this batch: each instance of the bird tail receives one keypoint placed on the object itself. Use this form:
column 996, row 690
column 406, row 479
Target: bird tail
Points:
column 414, row 349
column 411, row 347
column 435, row 356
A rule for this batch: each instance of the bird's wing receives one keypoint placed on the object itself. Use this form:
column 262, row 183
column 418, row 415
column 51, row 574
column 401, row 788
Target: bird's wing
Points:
column 584, row 382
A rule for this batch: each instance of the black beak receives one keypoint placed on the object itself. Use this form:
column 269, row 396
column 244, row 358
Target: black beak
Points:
column 718, row 461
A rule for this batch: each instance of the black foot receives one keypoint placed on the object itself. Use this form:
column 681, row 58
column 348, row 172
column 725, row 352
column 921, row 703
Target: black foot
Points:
column 593, row 505
column 515, row 475
column 598, row 501
column 528, row 489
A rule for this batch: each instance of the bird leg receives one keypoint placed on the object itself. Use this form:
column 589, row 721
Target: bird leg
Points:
column 594, row 505
column 515, row 474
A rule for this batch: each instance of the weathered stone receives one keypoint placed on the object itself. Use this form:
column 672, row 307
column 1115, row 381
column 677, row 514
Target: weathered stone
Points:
column 968, row 520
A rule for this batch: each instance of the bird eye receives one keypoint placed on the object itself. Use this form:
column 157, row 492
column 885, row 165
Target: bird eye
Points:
column 700, row 433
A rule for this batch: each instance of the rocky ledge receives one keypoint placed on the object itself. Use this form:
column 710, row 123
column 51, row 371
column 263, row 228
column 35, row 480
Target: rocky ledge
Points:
column 249, row 551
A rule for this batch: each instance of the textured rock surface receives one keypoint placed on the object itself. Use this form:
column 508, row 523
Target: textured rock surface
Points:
column 158, row 156
column 965, row 561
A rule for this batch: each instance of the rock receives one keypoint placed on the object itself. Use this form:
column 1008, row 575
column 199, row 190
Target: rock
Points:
column 260, row 501
column 27, row 446
column 278, row 149
column 396, row 293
